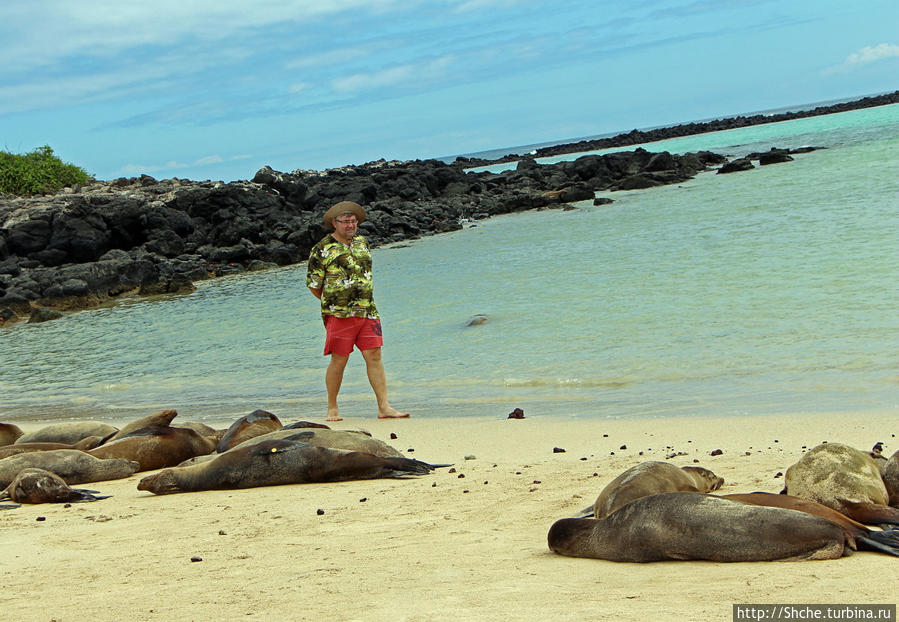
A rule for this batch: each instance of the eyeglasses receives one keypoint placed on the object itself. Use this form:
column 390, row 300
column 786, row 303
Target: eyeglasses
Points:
column 347, row 221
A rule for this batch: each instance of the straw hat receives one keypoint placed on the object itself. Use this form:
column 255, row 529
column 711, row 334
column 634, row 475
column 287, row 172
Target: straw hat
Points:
column 344, row 207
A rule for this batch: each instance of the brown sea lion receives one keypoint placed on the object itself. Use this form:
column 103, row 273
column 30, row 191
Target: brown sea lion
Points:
column 74, row 466
column 890, row 477
column 652, row 478
column 257, row 423
column 39, row 486
column 68, row 432
column 9, row 432
column 276, row 462
column 689, row 525
column 857, row 535
column 20, row 448
column 844, row 479
column 156, row 447
column 351, row 440
column 161, row 419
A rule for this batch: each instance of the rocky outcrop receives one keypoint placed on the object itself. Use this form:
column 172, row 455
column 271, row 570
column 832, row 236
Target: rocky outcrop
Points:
column 640, row 137
column 86, row 245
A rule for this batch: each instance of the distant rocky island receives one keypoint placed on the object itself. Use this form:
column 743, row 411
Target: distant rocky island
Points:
column 85, row 246
column 638, row 137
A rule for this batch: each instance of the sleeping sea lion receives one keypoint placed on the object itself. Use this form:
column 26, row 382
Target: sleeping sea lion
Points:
column 9, row 432
column 74, row 466
column 276, row 462
column 858, row 536
column 160, row 420
column 689, row 525
column 156, row 447
column 844, row 479
column 68, row 432
column 257, row 423
column 651, row 478
column 352, row 440
column 39, row 486
column 20, row 448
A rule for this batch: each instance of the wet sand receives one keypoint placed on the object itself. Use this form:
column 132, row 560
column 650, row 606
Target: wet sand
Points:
column 463, row 545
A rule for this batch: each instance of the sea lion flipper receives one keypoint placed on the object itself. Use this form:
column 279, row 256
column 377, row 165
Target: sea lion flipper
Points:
column 82, row 495
column 587, row 512
column 874, row 542
column 402, row 467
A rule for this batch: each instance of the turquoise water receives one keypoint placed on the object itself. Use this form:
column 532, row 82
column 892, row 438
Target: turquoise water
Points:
column 768, row 291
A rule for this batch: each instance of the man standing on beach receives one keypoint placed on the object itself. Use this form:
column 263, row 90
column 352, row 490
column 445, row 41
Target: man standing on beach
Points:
column 339, row 274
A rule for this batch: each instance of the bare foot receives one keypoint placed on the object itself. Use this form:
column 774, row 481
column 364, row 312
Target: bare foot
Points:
column 392, row 413
column 333, row 416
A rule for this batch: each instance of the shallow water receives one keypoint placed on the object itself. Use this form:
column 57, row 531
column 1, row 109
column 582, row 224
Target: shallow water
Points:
column 767, row 291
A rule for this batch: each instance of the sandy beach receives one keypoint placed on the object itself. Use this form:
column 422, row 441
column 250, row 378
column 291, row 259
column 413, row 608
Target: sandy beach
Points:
column 468, row 544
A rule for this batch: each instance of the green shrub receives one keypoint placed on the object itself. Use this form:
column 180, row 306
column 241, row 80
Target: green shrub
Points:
column 38, row 172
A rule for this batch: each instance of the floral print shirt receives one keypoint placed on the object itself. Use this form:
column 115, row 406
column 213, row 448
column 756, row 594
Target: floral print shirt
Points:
column 343, row 273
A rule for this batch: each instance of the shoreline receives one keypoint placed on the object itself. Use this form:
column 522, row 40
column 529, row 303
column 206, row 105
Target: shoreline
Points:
column 150, row 237
column 471, row 542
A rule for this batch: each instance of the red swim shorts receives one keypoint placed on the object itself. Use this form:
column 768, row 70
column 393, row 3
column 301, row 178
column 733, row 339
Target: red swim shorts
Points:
column 345, row 332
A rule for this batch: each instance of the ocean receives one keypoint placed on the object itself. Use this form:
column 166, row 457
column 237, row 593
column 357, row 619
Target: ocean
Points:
column 770, row 291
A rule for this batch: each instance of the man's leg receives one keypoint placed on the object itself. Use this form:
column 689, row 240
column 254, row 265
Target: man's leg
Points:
column 378, row 380
column 333, row 380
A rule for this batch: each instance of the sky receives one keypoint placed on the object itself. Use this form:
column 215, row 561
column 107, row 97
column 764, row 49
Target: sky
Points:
column 217, row 89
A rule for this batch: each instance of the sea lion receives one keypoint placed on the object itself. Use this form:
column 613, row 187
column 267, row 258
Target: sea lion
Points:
column 9, row 432
column 276, row 462
column 890, row 477
column 74, row 466
column 651, row 478
column 857, row 535
column 40, row 486
column 844, row 479
column 690, row 525
column 161, row 419
column 351, row 440
column 156, row 447
column 20, row 448
column 477, row 320
column 257, row 423
column 68, row 432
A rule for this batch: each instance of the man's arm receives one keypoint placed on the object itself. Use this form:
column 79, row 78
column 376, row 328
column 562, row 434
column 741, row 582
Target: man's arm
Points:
column 316, row 292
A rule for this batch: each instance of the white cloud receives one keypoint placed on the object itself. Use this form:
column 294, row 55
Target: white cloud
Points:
column 40, row 33
column 394, row 76
column 328, row 59
column 377, row 79
column 870, row 54
column 866, row 55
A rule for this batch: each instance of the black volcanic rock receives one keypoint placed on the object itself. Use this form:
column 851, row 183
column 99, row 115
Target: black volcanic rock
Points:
column 740, row 164
column 82, row 246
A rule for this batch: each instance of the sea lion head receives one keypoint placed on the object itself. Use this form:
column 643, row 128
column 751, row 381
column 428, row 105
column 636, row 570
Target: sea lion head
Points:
column 704, row 476
column 161, row 483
